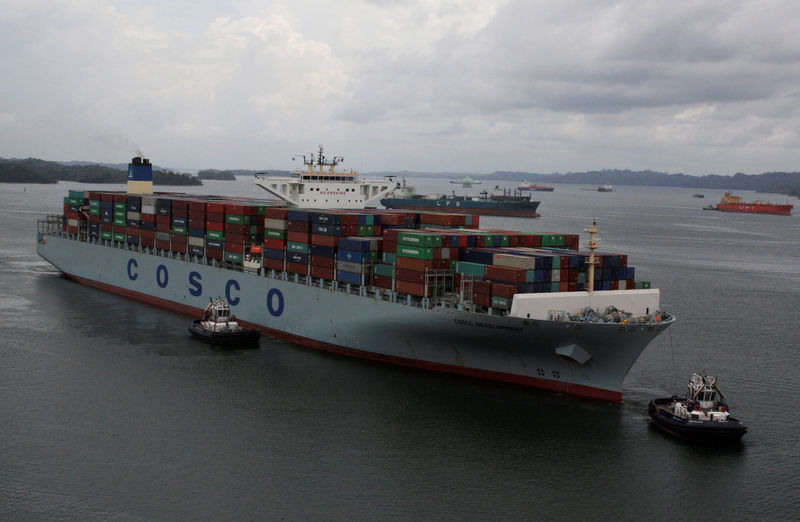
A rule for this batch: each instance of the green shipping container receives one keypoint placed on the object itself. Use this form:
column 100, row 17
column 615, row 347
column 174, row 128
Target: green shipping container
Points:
column 120, row 222
column 415, row 252
column 77, row 194
column 120, row 206
column 120, row 237
column 106, row 235
column 273, row 233
column 419, row 239
column 552, row 240
column 555, row 286
column 503, row 303
column 94, row 211
column 233, row 257
column 94, row 203
column 78, row 202
column 470, row 269
column 214, row 234
column 641, row 285
column 384, row 270
column 236, row 219
column 292, row 246
column 180, row 230
column 389, row 258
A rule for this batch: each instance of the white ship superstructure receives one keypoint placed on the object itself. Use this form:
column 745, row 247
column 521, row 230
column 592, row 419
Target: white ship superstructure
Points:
column 318, row 187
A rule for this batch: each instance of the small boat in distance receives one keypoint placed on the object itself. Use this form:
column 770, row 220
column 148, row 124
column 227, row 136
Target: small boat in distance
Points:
column 698, row 196
column 466, row 182
column 701, row 416
column 532, row 186
column 731, row 203
column 219, row 326
column 605, row 188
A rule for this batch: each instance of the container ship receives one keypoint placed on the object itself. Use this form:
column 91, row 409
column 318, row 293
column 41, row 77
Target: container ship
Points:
column 420, row 289
column 731, row 203
column 534, row 187
column 498, row 203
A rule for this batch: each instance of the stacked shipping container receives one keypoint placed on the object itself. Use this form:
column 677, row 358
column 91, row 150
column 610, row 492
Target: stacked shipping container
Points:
column 417, row 253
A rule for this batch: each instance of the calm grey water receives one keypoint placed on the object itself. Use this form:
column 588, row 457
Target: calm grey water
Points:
column 110, row 411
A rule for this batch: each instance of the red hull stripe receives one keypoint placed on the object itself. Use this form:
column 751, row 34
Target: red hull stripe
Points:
column 563, row 387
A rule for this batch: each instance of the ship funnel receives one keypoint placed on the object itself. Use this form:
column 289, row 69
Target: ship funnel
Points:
column 140, row 176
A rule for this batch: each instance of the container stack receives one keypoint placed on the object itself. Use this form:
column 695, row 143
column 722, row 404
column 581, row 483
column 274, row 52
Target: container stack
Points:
column 424, row 254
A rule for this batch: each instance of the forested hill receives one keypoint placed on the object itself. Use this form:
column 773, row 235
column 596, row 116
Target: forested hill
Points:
column 40, row 171
column 775, row 182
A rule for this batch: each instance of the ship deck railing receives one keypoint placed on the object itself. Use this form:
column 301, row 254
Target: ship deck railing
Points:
column 443, row 296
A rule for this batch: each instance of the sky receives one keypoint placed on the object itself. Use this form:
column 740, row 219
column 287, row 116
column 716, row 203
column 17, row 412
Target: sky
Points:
column 472, row 86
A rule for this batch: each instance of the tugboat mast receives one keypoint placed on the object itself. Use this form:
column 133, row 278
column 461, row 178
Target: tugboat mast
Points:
column 592, row 246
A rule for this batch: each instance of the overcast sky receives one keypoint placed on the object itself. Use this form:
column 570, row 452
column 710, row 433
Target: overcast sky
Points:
column 427, row 85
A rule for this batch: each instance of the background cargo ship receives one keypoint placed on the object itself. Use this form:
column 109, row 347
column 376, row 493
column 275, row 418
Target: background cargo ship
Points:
column 498, row 203
column 390, row 286
column 731, row 203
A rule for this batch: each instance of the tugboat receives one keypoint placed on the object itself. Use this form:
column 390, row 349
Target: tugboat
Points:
column 701, row 416
column 219, row 326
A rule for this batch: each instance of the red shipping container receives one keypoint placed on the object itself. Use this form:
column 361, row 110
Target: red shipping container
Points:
column 623, row 260
column 119, row 230
column 422, row 264
column 572, row 286
column 147, row 241
column 179, row 248
column 94, row 218
column 106, row 227
column 120, row 198
column 216, row 217
column 350, row 219
column 482, row 299
column 323, row 240
column 503, row 273
column 164, row 220
column 214, row 253
column 298, row 237
column 412, row 276
column 382, row 281
column 411, row 288
column 197, row 207
column 321, row 271
column 613, row 284
column 563, row 286
column 323, row 262
column 482, row 287
column 349, row 230
column 277, row 244
column 150, row 234
column 234, row 246
column 149, row 218
column 276, row 212
column 297, row 268
column 107, row 197
column 298, row 226
column 197, row 223
column 216, row 226
column 389, row 246
column 233, row 228
column 501, row 290
column 162, row 245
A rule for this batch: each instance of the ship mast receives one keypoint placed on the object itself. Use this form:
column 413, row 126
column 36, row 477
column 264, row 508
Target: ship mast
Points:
column 320, row 162
column 592, row 246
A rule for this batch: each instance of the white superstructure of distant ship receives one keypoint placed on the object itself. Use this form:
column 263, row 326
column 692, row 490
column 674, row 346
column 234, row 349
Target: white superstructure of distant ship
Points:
column 318, row 187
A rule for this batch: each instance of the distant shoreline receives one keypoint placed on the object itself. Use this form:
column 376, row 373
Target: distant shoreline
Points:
column 40, row 171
